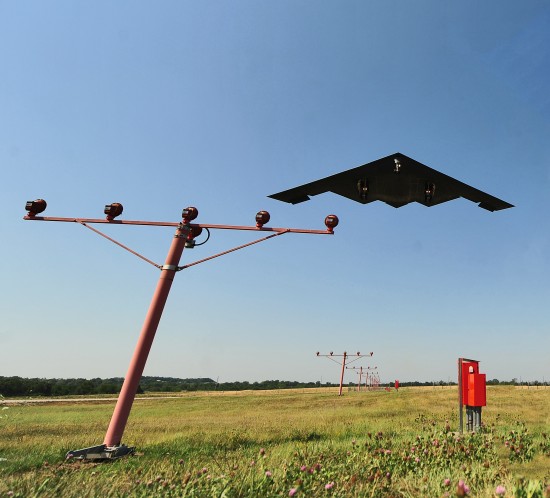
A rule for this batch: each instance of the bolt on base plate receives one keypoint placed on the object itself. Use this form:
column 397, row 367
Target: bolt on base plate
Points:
column 101, row 452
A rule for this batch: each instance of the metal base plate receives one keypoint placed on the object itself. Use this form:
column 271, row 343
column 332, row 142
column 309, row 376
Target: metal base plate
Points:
column 101, row 452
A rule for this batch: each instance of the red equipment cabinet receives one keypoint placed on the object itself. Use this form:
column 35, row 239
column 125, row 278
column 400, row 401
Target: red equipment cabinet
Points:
column 477, row 392
column 467, row 367
column 472, row 393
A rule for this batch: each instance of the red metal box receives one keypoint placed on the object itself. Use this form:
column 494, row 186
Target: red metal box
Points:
column 477, row 392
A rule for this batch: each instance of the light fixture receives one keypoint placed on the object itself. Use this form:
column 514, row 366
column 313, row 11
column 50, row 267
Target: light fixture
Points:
column 193, row 231
column 397, row 167
column 331, row 222
column 363, row 188
column 429, row 192
column 35, row 207
column 189, row 214
column 113, row 210
column 262, row 217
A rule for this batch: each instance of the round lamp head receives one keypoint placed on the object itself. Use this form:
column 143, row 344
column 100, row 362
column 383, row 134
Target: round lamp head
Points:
column 189, row 214
column 195, row 231
column 262, row 218
column 35, row 207
column 331, row 222
column 113, row 210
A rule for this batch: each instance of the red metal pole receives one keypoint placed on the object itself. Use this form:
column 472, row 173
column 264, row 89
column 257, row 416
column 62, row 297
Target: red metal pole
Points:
column 342, row 375
column 460, row 407
column 150, row 325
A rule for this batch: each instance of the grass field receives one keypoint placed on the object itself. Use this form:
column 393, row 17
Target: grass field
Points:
column 285, row 443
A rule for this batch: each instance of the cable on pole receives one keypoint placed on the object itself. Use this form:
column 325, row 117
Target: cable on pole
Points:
column 206, row 240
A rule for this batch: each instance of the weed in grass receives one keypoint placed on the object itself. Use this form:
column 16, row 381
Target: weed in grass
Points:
column 520, row 444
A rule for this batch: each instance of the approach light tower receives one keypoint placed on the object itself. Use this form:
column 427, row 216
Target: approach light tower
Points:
column 372, row 379
column 184, row 238
column 359, row 371
column 345, row 360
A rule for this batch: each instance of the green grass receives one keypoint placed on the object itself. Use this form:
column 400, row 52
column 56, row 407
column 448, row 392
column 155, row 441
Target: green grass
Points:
column 223, row 445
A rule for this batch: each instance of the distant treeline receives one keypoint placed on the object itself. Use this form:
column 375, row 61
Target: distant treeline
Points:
column 18, row 386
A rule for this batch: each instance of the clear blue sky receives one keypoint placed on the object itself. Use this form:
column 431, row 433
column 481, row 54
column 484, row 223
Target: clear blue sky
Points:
column 162, row 105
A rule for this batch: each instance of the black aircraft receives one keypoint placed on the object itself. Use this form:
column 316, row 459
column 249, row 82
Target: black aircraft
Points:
column 395, row 180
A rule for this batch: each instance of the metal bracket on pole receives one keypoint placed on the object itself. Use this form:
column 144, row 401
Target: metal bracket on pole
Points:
column 101, row 453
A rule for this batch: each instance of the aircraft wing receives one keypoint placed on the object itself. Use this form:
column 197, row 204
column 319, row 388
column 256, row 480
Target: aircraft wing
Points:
column 396, row 180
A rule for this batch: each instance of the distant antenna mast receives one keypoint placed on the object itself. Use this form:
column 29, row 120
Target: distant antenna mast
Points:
column 345, row 359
